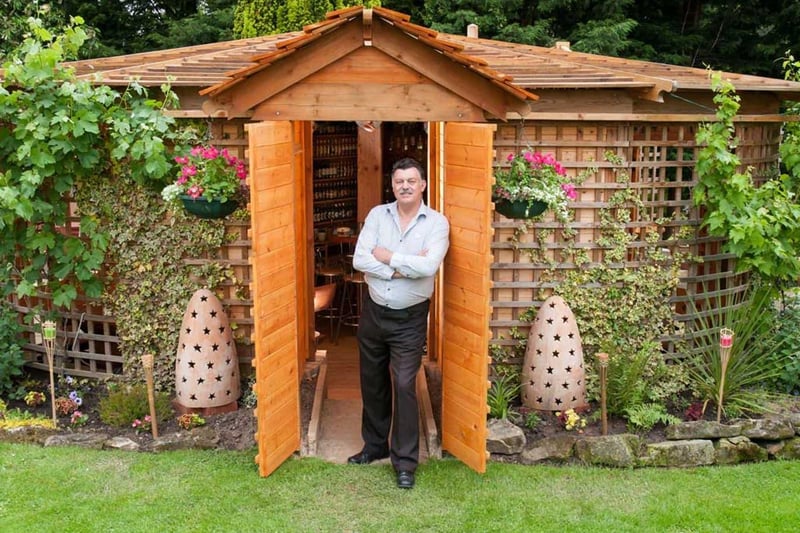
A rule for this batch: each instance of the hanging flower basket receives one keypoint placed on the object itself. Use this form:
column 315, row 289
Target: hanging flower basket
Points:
column 519, row 208
column 202, row 208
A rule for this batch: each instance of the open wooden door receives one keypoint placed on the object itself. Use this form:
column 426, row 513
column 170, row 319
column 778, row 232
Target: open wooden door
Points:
column 274, row 188
column 467, row 162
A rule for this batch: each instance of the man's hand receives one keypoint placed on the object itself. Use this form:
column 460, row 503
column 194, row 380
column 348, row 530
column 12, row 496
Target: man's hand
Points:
column 384, row 255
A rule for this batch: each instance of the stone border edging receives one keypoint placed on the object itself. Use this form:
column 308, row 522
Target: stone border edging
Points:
column 688, row 444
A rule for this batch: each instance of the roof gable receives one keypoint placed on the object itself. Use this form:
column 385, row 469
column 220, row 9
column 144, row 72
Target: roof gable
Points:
column 393, row 44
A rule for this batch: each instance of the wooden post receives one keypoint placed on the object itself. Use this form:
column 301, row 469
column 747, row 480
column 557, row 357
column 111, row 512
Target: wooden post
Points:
column 147, row 363
column 603, row 359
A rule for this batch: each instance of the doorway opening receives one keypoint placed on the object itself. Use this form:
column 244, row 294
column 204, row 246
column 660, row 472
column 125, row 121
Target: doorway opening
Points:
column 351, row 173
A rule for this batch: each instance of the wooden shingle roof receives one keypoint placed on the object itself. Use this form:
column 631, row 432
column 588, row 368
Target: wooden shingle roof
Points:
column 516, row 67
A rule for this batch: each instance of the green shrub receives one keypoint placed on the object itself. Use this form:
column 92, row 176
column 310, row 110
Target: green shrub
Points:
column 642, row 417
column 751, row 365
column 786, row 352
column 126, row 404
column 503, row 392
column 11, row 359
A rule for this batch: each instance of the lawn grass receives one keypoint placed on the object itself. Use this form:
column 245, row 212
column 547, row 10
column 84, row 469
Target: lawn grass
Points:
column 77, row 490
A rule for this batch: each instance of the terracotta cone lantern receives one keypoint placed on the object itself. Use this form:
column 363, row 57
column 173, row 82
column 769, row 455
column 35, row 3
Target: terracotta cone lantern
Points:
column 206, row 367
column 553, row 377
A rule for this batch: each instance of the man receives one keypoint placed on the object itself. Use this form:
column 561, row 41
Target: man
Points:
column 400, row 248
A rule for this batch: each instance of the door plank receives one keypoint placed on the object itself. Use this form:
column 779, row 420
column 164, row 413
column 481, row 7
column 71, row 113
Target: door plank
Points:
column 467, row 160
column 275, row 289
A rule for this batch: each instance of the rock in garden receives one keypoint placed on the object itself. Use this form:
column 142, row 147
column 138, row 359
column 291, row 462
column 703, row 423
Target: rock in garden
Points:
column 26, row 434
column 609, row 450
column 737, row 450
column 789, row 449
column 121, row 443
column 558, row 448
column 767, row 428
column 93, row 441
column 504, row 437
column 701, row 429
column 680, row 453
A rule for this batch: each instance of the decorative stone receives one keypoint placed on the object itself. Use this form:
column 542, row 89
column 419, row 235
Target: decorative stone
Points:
column 206, row 366
column 737, row 450
column 767, row 428
column 92, row 441
column 553, row 377
column 121, row 443
column 701, row 429
column 680, row 453
column 790, row 449
column 27, row 434
column 610, row 450
column 558, row 448
column 504, row 437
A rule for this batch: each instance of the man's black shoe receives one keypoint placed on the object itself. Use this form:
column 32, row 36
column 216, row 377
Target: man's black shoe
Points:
column 365, row 458
column 405, row 479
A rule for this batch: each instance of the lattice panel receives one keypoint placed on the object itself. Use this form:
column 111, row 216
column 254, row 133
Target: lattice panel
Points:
column 659, row 160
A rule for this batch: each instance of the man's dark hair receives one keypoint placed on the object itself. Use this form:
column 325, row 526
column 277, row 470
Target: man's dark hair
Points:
column 408, row 162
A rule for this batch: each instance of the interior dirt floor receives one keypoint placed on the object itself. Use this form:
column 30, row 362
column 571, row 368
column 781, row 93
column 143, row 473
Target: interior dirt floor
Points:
column 335, row 427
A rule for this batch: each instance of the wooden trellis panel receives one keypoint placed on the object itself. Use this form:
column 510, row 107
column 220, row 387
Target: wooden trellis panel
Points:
column 87, row 344
column 659, row 159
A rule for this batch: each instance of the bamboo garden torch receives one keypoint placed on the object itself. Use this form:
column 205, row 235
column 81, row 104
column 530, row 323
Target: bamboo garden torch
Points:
column 603, row 360
column 49, row 336
column 147, row 363
column 725, row 345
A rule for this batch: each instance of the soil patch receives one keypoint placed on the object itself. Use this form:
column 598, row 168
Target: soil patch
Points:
column 236, row 429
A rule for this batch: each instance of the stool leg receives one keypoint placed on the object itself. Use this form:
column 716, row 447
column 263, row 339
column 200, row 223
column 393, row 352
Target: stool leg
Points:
column 345, row 307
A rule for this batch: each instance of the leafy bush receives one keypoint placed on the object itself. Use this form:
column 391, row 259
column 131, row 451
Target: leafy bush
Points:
column 644, row 416
column 121, row 407
column 786, row 349
column 751, row 365
column 502, row 393
column 11, row 360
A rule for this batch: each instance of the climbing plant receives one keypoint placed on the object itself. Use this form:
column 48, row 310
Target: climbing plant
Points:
column 623, row 307
column 56, row 133
column 760, row 223
column 148, row 282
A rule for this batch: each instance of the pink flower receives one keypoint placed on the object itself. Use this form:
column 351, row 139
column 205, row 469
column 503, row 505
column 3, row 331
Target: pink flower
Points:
column 195, row 191
column 569, row 191
column 181, row 159
column 510, row 157
column 210, row 153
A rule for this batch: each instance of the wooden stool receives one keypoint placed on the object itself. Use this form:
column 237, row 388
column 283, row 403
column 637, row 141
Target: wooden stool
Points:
column 352, row 294
column 332, row 275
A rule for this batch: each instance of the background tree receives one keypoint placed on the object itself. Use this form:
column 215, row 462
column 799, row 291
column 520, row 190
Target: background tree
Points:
column 14, row 22
column 130, row 26
column 748, row 37
column 267, row 17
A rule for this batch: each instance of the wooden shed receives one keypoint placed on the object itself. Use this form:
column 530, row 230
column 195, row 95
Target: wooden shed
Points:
column 289, row 103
